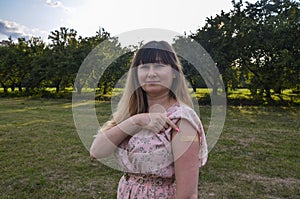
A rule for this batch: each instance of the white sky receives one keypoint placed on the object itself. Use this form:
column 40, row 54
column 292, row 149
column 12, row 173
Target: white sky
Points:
column 39, row 17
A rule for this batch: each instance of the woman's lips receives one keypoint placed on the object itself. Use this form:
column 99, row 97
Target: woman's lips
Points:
column 152, row 82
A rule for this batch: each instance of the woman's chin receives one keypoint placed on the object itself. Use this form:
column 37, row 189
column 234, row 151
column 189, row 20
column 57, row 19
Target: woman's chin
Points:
column 155, row 89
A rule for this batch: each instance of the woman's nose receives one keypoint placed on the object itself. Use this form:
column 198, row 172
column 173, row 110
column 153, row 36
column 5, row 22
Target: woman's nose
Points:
column 152, row 72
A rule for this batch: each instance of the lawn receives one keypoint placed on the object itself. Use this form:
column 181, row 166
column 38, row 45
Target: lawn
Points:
column 42, row 156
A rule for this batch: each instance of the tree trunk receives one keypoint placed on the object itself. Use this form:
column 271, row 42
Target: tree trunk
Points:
column 104, row 89
column 268, row 93
column 57, row 88
column 79, row 89
column 4, row 87
column 278, row 90
column 215, row 90
column 12, row 87
column 27, row 89
column 19, row 87
column 194, row 88
column 193, row 84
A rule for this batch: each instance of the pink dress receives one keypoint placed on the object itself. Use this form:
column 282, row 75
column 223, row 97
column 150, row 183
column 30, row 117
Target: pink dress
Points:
column 148, row 162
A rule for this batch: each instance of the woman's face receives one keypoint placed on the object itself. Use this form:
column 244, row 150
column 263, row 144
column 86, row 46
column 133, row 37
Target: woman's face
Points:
column 155, row 78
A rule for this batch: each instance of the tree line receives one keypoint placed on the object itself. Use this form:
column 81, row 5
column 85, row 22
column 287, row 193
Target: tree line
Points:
column 254, row 45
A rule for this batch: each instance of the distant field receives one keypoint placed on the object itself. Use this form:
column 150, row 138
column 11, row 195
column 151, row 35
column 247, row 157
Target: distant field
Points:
column 240, row 96
column 41, row 155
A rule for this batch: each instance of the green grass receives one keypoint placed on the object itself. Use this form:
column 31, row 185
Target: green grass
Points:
column 42, row 156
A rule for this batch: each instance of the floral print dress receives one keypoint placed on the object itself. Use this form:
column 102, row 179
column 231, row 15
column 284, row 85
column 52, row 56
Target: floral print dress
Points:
column 148, row 159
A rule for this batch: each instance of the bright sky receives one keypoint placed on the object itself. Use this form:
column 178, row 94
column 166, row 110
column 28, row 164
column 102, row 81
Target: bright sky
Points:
column 40, row 17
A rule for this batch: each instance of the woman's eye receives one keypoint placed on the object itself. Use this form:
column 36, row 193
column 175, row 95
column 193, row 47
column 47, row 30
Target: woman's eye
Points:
column 148, row 66
column 159, row 65
column 143, row 66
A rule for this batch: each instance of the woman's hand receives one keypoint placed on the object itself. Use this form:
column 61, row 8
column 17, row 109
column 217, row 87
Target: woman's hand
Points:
column 155, row 122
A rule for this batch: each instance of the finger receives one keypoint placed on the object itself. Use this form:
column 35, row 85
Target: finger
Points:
column 166, row 126
column 174, row 126
column 165, row 122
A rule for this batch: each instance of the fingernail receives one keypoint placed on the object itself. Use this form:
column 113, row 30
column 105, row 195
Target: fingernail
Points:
column 177, row 129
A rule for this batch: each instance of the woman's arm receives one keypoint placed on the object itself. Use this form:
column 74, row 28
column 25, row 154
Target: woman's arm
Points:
column 185, row 145
column 106, row 142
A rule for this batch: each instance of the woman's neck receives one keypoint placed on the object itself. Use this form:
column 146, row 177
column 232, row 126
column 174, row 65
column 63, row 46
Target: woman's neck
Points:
column 164, row 100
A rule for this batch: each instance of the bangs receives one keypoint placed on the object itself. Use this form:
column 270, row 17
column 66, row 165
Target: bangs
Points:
column 154, row 55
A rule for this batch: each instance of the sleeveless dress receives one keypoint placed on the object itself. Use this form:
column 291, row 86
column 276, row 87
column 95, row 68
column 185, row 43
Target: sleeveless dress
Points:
column 147, row 159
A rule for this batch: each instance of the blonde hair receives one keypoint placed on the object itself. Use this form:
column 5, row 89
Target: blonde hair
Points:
column 134, row 98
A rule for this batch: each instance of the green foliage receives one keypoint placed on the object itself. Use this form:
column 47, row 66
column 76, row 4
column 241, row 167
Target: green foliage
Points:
column 254, row 46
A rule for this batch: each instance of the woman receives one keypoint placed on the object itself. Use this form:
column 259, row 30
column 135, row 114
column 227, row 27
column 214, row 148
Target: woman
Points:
column 155, row 134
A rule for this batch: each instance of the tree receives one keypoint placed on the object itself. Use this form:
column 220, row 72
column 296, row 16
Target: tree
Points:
column 256, row 46
column 91, row 56
column 218, row 38
column 6, row 57
column 62, row 60
column 269, row 44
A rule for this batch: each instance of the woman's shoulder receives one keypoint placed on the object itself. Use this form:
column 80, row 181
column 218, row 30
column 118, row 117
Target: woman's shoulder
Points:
column 182, row 111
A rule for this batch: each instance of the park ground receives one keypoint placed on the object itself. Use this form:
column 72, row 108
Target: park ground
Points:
column 42, row 156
